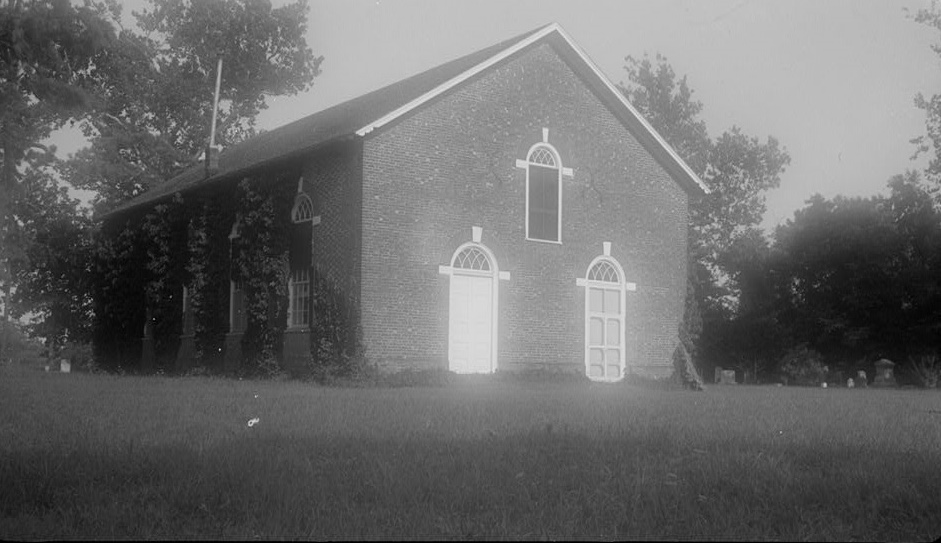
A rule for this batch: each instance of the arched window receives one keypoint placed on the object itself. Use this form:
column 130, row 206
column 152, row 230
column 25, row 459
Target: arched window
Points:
column 604, row 320
column 472, row 258
column 238, row 318
column 303, row 209
column 300, row 256
column 543, row 194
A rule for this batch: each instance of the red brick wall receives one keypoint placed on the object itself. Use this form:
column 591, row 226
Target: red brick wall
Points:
column 333, row 181
column 449, row 166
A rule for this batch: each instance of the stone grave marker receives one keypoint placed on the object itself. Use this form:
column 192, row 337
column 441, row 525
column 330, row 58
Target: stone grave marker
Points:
column 724, row 376
column 861, row 379
column 885, row 377
column 65, row 366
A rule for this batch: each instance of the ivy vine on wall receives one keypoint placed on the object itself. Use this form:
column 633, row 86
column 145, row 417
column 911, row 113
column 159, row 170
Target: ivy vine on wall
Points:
column 144, row 262
column 208, row 271
column 262, row 265
column 164, row 235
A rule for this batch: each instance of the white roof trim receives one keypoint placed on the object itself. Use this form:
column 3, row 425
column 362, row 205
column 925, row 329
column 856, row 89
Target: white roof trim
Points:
column 554, row 27
column 460, row 78
column 633, row 111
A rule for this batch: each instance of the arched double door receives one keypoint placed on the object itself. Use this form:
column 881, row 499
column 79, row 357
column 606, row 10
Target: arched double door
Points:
column 472, row 310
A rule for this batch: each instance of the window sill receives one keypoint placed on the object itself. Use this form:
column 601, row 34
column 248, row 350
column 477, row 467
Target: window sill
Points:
column 549, row 241
column 298, row 328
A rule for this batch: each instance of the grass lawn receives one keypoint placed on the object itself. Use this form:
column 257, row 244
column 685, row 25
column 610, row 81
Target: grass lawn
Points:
column 85, row 456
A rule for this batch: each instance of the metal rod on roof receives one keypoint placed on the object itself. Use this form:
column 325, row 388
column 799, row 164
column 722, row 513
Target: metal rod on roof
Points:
column 215, row 104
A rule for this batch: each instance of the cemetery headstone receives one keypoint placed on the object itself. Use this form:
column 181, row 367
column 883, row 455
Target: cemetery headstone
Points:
column 862, row 379
column 728, row 377
column 65, row 366
column 885, row 376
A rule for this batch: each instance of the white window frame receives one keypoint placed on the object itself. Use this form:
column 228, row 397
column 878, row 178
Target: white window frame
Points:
column 303, row 210
column 622, row 287
column 293, row 283
column 233, row 235
column 558, row 167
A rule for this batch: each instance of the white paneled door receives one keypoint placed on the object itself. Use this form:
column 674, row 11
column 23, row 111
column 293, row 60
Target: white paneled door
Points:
column 605, row 319
column 470, row 330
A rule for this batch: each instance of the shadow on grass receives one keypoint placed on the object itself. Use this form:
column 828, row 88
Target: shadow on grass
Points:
column 544, row 483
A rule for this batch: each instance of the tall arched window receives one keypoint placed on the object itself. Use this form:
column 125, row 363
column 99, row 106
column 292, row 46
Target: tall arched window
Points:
column 299, row 299
column 604, row 320
column 543, row 194
column 238, row 318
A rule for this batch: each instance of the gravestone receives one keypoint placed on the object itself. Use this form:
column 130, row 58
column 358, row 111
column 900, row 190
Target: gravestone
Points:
column 725, row 377
column 885, row 376
column 65, row 366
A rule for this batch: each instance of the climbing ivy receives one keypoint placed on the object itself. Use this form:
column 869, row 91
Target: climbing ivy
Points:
column 164, row 237
column 262, row 265
column 208, row 272
column 145, row 261
column 118, row 295
column 336, row 341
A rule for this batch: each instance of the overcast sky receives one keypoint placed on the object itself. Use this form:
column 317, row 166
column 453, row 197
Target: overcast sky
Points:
column 833, row 80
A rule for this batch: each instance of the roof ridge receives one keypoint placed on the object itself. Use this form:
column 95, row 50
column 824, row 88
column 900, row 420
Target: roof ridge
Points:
column 364, row 113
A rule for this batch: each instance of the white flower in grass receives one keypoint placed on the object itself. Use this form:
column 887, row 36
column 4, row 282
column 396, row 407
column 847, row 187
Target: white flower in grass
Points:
column 253, row 422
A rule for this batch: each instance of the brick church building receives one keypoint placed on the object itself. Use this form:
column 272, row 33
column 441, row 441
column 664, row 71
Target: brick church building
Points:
column 508, row 210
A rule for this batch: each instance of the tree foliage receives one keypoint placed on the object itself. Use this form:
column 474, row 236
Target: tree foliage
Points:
column 858, row 272
column 930, row 142
column 739, row 169
column 143, row 96
column 52, row 279
column 47, row 52
column 160, row 88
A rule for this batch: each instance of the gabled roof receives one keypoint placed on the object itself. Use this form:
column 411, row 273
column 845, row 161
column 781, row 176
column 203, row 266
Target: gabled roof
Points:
column 360, row 116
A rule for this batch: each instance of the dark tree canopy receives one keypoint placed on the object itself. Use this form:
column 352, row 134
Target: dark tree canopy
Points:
column 739, row 169
column 143, row 97
column 160, row 87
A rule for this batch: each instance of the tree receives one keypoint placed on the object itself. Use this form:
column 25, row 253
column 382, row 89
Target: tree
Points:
column 738, row 169
column 144, row 98
column 160, row 88
column 47, row 53
column 52, row 281
column 860, row 273
column 931, row 141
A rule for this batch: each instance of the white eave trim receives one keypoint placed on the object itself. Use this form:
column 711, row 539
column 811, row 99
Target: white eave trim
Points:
column 607, row 82
column 554, row 27
column 457, row 80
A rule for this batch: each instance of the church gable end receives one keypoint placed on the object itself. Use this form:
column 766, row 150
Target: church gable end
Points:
column 466, row 159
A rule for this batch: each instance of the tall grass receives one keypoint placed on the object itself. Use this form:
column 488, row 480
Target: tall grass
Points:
column 150, row 457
